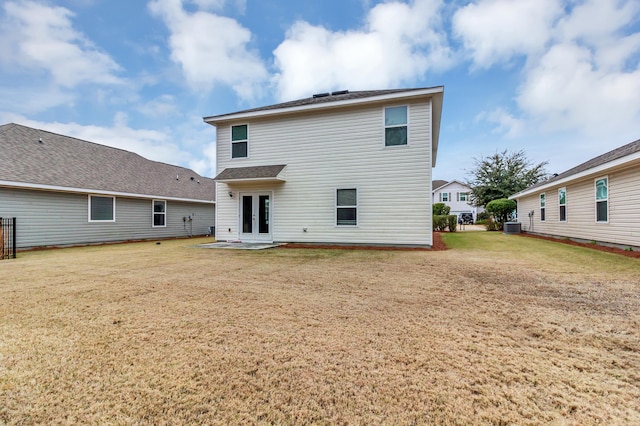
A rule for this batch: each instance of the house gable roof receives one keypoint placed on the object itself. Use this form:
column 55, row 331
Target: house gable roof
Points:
column 437, row 184
column 343, row 99
column 445, row 183
column 628, row 152
column 33, row 158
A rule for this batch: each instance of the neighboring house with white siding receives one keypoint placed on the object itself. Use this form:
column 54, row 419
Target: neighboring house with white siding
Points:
column 66, row 191
column 456, row 195
column 598, row 200
column 342, row 167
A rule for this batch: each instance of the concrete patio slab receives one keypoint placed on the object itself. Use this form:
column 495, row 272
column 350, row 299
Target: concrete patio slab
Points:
column 238, row 245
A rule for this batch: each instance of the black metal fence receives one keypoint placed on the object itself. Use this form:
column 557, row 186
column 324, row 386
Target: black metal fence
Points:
column 7, row 237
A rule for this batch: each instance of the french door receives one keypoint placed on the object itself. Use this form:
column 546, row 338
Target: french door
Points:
column 255, row 217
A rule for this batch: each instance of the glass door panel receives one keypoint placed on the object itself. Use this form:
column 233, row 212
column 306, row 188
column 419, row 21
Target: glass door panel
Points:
column 247, row 214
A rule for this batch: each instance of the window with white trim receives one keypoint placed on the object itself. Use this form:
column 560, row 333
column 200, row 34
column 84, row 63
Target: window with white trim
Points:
column 543, row 207
column 602, row 199
column 159, row 213
column 395, row 126
column 562, row 204
column 347, row 207
column 102, row 208
column 240, row 141
column 463, row 196
column 445, row 197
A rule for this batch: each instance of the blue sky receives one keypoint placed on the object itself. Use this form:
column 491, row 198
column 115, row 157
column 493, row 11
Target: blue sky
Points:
column 559, row 79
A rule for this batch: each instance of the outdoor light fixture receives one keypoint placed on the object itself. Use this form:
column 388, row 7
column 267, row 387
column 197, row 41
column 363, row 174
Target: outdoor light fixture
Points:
column 231, row 194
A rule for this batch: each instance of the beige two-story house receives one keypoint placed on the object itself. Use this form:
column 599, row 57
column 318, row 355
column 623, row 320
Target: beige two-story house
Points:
column 342, row 167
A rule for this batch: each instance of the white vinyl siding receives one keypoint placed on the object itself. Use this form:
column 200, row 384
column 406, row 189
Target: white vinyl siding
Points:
column 337, row 149
column 622, row 202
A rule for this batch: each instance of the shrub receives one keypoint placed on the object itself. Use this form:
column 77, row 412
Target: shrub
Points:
column 492, row 225
column 501, row 209
column 482, row 216
column 439, row 222
column 443, row 222
column 441, row 209
column 452, row 222
column 482, row 221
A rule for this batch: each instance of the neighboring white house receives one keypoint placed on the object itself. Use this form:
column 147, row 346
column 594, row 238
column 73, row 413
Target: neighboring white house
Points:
column 342, row 167
column 598, row 200
column 456, row 195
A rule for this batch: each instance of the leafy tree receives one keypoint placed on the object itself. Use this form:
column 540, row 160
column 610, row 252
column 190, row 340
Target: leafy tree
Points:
column 441, row 209
column 501, row 209
column 503, row 174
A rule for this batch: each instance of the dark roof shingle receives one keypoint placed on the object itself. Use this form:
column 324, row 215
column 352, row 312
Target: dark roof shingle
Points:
column 33, row 156
column 247, row 173
column 338, row 96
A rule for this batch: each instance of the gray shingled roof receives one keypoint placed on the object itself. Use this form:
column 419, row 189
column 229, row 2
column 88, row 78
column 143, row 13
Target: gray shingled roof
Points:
column 438, row 184
column 339, row 96
column 68, row 162
column 607, row 157
column 248, row 173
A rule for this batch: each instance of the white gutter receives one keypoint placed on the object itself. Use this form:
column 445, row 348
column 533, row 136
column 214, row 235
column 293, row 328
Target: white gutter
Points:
column 10, row 184
column 592, row 171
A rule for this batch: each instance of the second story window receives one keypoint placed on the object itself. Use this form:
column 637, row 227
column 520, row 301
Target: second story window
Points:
column 240, row 141
column 444, row 197
column 463, row 196
column 395, row 126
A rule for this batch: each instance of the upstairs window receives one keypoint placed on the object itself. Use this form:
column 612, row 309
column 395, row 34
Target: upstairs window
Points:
column 395, row 126
column 240, row 141
column 102, row 209
column 562, row 202
column 159, row 213
column 445, row 197
column 543, row 207
column 347, row 207
column 602, row 200
column 463, row 196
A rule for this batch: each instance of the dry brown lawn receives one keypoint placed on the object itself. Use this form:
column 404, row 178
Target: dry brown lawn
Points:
column 497, row 330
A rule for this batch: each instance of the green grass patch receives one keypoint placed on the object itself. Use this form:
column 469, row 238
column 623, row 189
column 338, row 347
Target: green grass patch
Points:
column 541, row 254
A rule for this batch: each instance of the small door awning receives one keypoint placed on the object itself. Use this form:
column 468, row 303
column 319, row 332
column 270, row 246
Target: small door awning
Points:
column 273, row 173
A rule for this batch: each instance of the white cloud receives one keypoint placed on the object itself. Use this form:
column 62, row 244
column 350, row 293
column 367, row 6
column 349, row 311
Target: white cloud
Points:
column 162, row 106
column 581, row 72
column 241, row 5
column 566, row 89
column 38, row 37
column 507, row 124
column 494, row 31
column 211, row 49
column 398, row 44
